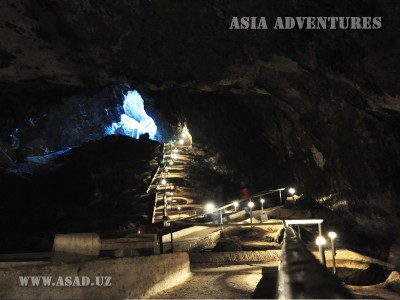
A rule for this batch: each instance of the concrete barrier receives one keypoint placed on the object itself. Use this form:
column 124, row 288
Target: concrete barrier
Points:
column 190, row 244
column 181, row 233
column 235, row 256
column 134, row 277
column 141, row 242
column 236, row 216
column 76, row 247
column 302, row 276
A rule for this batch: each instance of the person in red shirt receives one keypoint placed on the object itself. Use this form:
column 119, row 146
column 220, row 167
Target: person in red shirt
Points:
column 244, row 190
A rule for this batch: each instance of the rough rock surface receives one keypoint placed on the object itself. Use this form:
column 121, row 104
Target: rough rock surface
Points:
column 316, row 108
column 93, row 188
column 224, row 245
column 393, row 282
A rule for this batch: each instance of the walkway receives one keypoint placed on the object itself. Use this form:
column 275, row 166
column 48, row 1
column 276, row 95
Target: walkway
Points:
column 168, row 182
column 219, row 282
column 177, row 182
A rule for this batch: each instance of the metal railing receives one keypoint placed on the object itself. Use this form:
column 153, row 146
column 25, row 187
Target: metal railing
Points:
column 259, row 194
column 177, row 223
column 158, row 176
column 186, row 221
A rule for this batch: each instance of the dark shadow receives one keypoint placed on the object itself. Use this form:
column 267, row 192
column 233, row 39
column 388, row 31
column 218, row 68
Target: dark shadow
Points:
column 374, row 274
column 266, row 288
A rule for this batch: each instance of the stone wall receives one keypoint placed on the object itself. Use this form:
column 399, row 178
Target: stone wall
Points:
column 235, row 256
column 135, row 277
column 196, row 243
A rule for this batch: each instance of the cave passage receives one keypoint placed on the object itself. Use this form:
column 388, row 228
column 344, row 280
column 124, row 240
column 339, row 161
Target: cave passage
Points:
column 134, row 121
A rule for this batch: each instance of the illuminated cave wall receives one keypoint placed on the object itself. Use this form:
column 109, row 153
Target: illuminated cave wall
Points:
column 134, row 121
column 79, row 119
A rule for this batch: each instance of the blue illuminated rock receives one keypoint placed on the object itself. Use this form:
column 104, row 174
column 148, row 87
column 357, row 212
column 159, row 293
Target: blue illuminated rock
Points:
column 135, row 120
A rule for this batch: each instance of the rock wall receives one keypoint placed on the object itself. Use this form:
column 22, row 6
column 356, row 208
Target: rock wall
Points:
column 318, row 109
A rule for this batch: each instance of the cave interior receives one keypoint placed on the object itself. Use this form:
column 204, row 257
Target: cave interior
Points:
column 89, row 90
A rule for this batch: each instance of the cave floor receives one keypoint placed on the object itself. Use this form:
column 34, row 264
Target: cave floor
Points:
column 377, row 291
column 219, row 282
column 230, row 281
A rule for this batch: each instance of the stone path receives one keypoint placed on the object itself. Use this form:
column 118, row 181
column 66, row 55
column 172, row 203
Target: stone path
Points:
column 211, row 281
column 181, row 203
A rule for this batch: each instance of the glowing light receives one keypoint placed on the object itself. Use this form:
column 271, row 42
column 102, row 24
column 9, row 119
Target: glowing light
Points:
column 163, row 181
column 181, row 142
column 134, row 121
column 185, row 135
column 320, row 241
column 210, row 206
column 332, row 234
column 179, row 208
column 235, row 204
column 175, row 156
column 304, row 222
column 171, row 163
column 251, row 204
column 291, row 191
column 262, row 200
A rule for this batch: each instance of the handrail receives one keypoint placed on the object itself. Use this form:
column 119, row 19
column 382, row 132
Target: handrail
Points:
column 157, row 173
column 230, row 224
column 301, row 276
column 259, row 194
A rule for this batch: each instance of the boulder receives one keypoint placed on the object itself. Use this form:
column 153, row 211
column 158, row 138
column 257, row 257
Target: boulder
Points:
column 225, row 245
column 393, row 282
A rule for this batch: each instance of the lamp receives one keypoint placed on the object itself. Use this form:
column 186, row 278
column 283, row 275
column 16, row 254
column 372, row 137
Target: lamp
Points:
column 332, row 235
column 210, row 206
column 320, row 241
column 235, row 205
column 262, row 204
column 251, row 205
column 179, row 209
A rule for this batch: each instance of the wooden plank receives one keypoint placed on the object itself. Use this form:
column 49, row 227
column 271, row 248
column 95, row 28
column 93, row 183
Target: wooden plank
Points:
column 138, row 241
column 127, row 245
column 130, row 239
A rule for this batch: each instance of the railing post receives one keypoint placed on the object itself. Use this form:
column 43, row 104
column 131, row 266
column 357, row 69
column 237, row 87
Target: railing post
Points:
column 322, row 254
column 221, row 219
column 333, row 250
column 161, row 242
column 172, row 238
column 221, row 222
